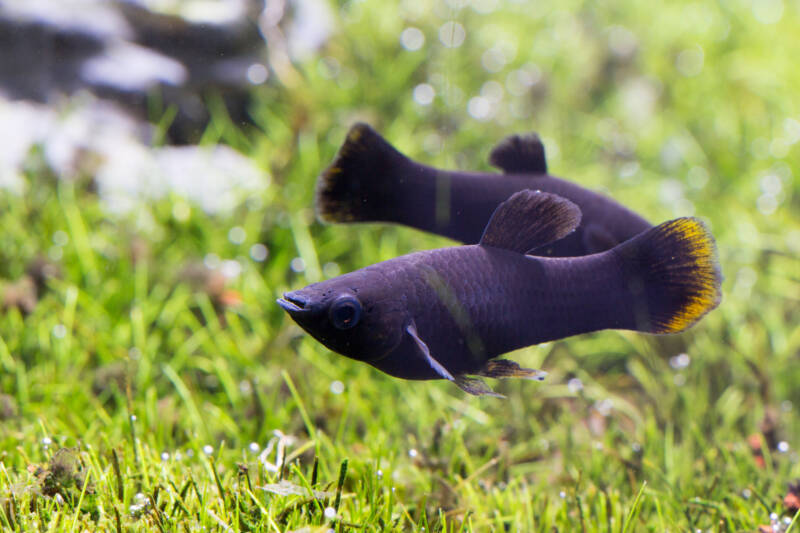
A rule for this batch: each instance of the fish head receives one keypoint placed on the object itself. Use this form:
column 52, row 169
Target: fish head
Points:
column 356, row 315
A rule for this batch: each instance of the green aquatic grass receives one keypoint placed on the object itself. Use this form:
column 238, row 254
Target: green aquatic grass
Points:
column 136, row 396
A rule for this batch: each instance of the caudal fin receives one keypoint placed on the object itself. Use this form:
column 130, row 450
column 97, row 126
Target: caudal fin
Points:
column 673, row 274
column 357, row 186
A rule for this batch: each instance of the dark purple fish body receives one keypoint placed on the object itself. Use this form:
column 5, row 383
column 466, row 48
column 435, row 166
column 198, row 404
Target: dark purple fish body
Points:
column 370, row 181
column 448, row 313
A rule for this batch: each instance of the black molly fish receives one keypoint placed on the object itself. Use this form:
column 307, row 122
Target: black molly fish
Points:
column 370, row 181
column 447, row 313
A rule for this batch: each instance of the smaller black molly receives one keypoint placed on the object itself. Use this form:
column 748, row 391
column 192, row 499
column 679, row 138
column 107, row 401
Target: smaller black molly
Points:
column 448, row 313
column 370, row 181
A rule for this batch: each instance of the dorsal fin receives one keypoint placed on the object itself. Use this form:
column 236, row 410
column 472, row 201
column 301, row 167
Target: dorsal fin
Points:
column 529, row 219
column 519, row 154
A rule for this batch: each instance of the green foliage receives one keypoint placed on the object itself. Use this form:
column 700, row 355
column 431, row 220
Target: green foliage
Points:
column 157, row 380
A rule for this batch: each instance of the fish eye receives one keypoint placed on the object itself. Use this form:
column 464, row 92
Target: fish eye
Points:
column 345, row 312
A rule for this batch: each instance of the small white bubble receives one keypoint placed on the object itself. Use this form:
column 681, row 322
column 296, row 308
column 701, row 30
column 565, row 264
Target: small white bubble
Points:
column 254, row 447
column 257, row 73
column 636, row 447
column 208, row 449
column 680, row 361
column 562, row 495
column 237, row 235
column 189, row 453
column 690, row 61
column 412, row 452
column 773, row 517
column 479, row 108
column 379, row 474
column 337, row 387
column 258, row 252
column 297, row 265
column 331, row 269
column 424, row 94
column 47, row 441
column 330, row 513
column 178, row 456
column 746, row 493
column 452, row 34
column 783, row 446
column 55, row 253
column 231, row 268
column 412, row 39
column 60, row 238
column 575, row 385
column 212, row 261
column 245, row 387
column 164, row 456
column 787, row 520
column 59, row 331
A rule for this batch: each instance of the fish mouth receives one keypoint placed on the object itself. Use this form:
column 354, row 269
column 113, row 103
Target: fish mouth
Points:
column 293, row 304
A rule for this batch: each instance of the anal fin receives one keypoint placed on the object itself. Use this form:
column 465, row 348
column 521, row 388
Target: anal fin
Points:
column 503, row 368
column 475, row 386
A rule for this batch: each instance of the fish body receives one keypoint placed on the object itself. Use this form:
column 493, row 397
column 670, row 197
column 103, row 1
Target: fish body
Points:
column 370, row 181
column 449, row 313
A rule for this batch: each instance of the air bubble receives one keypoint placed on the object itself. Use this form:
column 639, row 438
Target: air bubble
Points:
column 412, row 39
column 424, row 94
column 298, row 265
column 237, row 235
column 258, row 252
column 452, row 34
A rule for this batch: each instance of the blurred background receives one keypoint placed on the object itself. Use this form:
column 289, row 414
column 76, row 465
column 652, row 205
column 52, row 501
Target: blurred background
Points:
column 157, row 171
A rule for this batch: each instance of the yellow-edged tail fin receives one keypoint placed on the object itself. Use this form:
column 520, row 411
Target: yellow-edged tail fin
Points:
column 673, row 272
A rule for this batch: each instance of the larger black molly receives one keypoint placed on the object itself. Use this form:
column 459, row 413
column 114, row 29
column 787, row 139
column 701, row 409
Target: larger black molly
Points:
column 370, row 181
column 448, row 313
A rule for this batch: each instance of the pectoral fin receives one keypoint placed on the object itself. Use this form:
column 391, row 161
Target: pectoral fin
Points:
column 426, row 353
column 519, row 154
column 503, row 368
column 530, row 219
